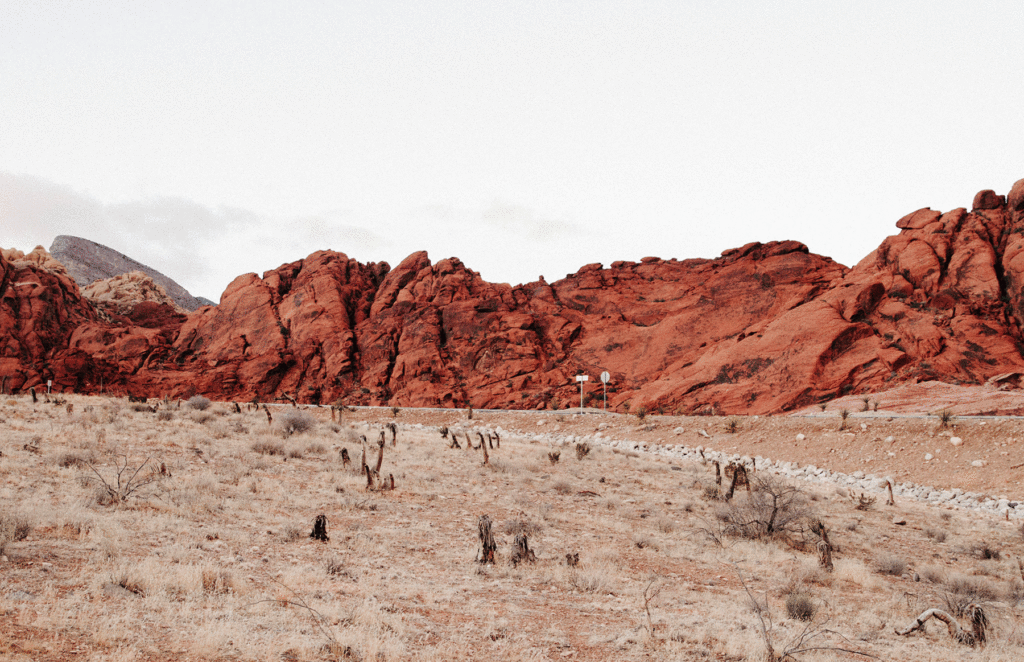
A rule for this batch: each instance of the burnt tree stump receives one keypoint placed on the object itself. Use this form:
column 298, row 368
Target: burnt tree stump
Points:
column 739, row 479
column 824, row 546
column 345, row 460
column 522, row 552
column 572, row 559
column 487, row 544
column 320, row 529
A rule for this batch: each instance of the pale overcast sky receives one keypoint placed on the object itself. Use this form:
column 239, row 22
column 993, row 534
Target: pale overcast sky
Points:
column 212, row 139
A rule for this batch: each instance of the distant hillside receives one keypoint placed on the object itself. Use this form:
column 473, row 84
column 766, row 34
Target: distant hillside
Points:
column 88, row 262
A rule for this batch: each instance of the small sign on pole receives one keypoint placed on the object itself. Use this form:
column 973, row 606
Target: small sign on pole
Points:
column 581, row 379
column 604, row 380
column 49, row 383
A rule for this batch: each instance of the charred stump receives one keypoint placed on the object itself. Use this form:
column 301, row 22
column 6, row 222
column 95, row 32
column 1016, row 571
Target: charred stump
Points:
column 33, row 392
column 554, row 456
column 444, row 431
column 824, row 546
column 394, row 433
column 270, row 419
column 572, row 559
column 487, row 544
column 345, row 459
column 522, row 552
column 320, row 529
column 739, row 479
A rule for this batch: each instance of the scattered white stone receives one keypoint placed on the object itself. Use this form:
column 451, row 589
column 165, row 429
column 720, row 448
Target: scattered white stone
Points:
column 890, row 439
column 928, row 457
column 979, row 463
column 863, row 426
column 800, row 437
column 703, row 433
column 956, row 441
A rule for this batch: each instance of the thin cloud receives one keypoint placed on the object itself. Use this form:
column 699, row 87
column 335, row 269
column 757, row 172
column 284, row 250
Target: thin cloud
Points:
column 518, row 219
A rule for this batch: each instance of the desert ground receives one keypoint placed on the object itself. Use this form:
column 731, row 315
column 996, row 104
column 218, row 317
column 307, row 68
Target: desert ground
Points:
column 200, row 548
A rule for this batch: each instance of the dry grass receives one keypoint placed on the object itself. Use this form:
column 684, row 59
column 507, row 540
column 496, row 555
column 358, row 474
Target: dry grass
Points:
column 213, row 560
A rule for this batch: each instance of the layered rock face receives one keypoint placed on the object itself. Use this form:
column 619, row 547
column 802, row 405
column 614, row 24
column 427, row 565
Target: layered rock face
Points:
column 764, row 328
column 88, row 262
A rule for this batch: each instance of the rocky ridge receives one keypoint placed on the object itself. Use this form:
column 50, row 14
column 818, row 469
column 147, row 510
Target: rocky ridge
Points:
column 763, row 328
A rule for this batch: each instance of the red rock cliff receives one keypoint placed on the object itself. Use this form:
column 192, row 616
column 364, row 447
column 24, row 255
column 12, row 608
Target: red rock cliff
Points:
column 763, row 328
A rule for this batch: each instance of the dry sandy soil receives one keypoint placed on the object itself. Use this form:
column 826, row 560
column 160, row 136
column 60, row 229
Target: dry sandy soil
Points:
column 213, row 560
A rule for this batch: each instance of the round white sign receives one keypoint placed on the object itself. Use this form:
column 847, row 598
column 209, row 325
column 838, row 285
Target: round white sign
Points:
column 605, row 376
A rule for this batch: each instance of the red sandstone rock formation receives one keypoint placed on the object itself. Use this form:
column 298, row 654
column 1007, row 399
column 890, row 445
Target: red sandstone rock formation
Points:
column 763, row 328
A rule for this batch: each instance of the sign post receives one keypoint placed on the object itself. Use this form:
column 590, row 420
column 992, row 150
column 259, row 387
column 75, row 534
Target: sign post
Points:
column 49, row 384
column 604, row 380
column 581, row 379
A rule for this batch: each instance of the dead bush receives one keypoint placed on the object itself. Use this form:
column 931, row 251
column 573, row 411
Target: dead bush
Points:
column 986, row 551
column 890, row 564
column 562, row 487
column 12, row 529
column 932, row 574
column 773, row 508
column 292, row 533
column 199, row 403
column 218, row 581
column 296, row 421
column 201, row 417
column 268, row 447
column 519, row 525
column 962, row 590
column 335, row 567
column 71, row 459
column 800, row 606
